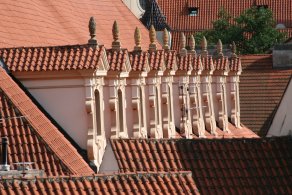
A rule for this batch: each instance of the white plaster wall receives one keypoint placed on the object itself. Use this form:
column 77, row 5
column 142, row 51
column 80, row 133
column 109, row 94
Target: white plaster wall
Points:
column 109, row 163
column 282, row 122
column 135, row 7
column 64, row 100
column 147, row 107
column 228, row 97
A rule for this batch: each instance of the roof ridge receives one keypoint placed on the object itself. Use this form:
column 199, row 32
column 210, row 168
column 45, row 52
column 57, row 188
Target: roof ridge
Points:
column 108, row 176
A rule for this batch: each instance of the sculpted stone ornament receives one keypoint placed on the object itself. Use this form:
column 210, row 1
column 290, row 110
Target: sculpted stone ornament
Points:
column 183, row 50
column 152, row 37
column 116, row 44
column 219, row 52
column 92, row 31
column 137, row 37
column 204, row 46
column 192, row 45
column 165, row 39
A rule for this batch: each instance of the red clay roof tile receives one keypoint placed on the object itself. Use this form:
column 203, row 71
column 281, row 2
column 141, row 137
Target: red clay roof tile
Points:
column 178, row 19
column 32, row 137
column 235, row 165
column 75, row 57
column 130, row 183
column 50, row 23
column 261, row 90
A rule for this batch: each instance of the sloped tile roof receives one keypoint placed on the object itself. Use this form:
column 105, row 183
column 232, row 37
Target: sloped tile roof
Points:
column 130, row 183
column 185, row 63
column 73, row 57
column 32, row 137
column 49, row 23
column 261, row 90
column 170, row 60
column 156, row 60
column 179, row 21
column 117, row 59
column 222, row 166
column 222, row 63
column 139, row 61
column 178, row 18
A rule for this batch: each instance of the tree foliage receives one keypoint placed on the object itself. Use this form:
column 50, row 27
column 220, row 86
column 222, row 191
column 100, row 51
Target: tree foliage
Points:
column 253, row 31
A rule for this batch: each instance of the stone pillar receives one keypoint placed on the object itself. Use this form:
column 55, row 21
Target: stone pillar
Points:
column 222, row 103
column 207, row 100
column 117, row 102
column 155, row 107
column 96, row 141
column 167, row 107
column 198, row 123
column 235, row 104
column 184, row 99
column 139, row 108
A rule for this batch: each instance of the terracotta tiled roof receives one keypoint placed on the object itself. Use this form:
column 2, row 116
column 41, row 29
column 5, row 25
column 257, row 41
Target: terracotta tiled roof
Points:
column 139, row 61
column 170, row 60
column 207, row 63
column 178, row 19
column 156, row 60
column 130, row 183
column 235, row 64
column 222, row 63
column 32, row 137
column 62, row 22
column 261, row 89
column 222, row 166
column 117, row 59
column 185, row 63
column 74, row 57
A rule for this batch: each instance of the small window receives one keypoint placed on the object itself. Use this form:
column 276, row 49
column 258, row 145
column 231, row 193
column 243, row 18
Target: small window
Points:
column 262, row 6
column 193, row 11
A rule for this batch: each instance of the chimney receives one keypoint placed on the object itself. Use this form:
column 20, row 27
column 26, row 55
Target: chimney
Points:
column 5, row 166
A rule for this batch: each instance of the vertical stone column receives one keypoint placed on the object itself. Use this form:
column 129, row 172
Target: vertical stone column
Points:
column 196, row 106
column 138, row 105
column 184, row 99
column 117, row 104
column 222, row 103
column 207, row 98
column 167, row 107
column 235, row 104
column 96, row 141
column 155, row 107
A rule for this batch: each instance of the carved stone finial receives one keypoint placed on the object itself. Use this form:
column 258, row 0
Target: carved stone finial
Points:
column 165, row 39
column 116, row 44
column 192, row 45
column 92, row 31
column 182, row 39
column 152, row 36
column 219, row 51
column 233, row 50
column 137, row 37
column 204, row 46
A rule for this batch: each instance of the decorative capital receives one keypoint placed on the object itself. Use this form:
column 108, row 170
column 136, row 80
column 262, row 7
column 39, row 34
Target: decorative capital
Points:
column 137, row 37
column 219, row 49
column 204, row 46
column 152, row 36
column 116, row 35
column 233, row 50
column 92, row 31
column 165, row 39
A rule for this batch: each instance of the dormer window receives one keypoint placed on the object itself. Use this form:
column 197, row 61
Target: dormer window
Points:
column 193, row 11
column 262, row 6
